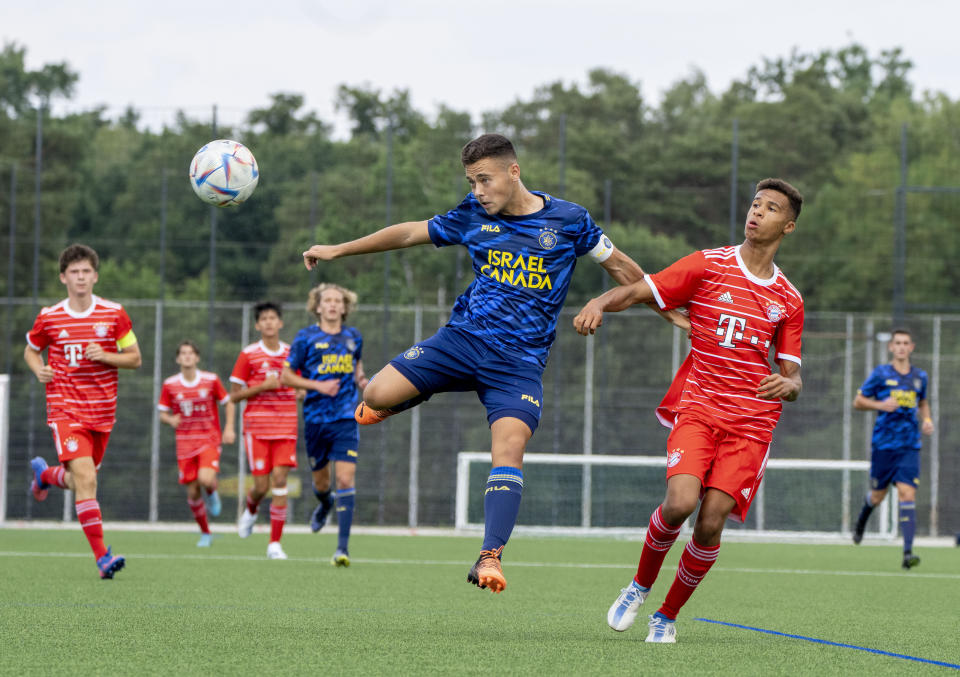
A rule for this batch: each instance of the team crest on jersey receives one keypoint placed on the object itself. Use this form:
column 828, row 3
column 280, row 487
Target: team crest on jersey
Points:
column 101, row 329
column 917, row 383
column 776, row 312
column 351, row 345
column 412, row 353
column 548, row 238
column 71, row 443
column 674, row 457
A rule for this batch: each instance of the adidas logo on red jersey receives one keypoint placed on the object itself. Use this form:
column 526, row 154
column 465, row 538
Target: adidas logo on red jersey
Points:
column 725, row 297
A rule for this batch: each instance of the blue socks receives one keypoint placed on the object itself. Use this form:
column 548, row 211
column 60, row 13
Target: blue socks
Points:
column 345, row 501
column 908, row 524
column 501, row 505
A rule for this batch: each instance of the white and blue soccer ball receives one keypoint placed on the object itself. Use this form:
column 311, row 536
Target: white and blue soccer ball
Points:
column 224, row 173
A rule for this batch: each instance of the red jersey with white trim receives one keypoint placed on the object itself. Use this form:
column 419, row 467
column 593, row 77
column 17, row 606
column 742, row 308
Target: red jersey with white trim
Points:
column 82, row 390
column 271, row 414
column 736, row 317
column 197, row 402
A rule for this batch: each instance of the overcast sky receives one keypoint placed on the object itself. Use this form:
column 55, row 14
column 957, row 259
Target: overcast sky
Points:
column 476, row 56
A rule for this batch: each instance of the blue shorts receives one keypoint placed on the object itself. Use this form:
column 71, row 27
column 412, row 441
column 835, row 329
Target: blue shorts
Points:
column 894, row 465
column 454, row 360
column 333, row 441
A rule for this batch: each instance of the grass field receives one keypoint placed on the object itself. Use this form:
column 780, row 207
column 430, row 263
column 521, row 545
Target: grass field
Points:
column 404, row 607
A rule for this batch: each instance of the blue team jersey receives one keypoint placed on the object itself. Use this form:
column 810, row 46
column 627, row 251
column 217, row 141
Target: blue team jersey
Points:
column 523, row 266
column 320, row 356
column 898, row 429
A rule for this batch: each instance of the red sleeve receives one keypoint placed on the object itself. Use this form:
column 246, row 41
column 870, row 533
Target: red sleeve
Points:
column 37, row 337
column 788, row 339
column 166, row 400
column 675, row 285
column 124, row 325
column 240, row 370
column 219, row 392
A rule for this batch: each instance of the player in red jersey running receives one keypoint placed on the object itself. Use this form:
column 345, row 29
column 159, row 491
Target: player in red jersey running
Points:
column 724, row 402
column 189, row 404
column 87, row 339
column 269, row 423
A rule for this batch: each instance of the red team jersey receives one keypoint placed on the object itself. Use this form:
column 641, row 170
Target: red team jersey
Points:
column 197, row 402
column 273, row 413
column 82, row 390
column 735, row 317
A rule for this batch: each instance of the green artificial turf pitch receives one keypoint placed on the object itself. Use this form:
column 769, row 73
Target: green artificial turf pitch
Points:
column 404, row 607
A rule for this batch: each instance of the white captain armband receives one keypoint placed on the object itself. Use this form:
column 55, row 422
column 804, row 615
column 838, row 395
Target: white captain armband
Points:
column 602, row 251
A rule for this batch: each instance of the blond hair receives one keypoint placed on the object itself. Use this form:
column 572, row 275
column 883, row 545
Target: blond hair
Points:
column 349, row 298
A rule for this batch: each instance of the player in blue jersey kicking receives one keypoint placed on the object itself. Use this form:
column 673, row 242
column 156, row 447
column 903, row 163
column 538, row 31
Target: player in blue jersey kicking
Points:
column 325, row 361
column 524, row 246
column 898, row 391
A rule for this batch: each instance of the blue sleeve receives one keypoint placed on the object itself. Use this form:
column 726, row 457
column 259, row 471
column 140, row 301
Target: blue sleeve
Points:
column 873, row 384
column 359, row 351
column 922, row 395
column 452, row 227
column 295, row 358
column 587, row 234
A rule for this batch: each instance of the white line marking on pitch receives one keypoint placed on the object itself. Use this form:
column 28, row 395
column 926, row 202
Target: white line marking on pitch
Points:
column 459, row 563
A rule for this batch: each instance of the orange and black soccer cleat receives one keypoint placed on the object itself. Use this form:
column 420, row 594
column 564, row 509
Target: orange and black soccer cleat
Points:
column 487, row 572
column 366, row 415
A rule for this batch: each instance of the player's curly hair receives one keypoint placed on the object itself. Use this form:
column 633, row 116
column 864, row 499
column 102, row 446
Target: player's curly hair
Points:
column 78, row 252
column 488, row 146
column 349, row 298
column 781, row 186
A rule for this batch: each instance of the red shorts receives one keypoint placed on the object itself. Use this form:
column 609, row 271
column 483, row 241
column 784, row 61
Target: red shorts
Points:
column 74, row 441
column 264, row 454
column 721, row 460
column 208, row 457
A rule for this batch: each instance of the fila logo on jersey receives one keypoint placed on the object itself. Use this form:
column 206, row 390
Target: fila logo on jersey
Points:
column 487, row 228
column 73, row 351
column 530, row 399
column 63, row 334
column 725, row 297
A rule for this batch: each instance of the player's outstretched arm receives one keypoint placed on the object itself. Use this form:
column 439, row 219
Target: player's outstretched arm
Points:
column 786, row 385
column 625, row 271
column 397, row 236
column 590, row 317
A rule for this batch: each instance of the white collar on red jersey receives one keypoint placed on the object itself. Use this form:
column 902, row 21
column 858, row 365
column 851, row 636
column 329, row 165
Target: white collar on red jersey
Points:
column 750, row 276
column 271, row 353
column 189, row 384
column 80, row 315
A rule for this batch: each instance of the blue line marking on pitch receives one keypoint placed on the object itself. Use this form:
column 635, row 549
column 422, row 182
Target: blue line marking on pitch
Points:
column 829, row 643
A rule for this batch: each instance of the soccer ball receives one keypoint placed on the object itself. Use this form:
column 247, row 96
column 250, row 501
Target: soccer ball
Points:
column 224, row 173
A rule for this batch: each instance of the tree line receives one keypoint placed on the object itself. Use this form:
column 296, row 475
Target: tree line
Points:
column 656, row 174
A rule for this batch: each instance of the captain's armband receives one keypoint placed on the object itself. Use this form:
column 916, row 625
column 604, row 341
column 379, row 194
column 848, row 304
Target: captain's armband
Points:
column 602, row 251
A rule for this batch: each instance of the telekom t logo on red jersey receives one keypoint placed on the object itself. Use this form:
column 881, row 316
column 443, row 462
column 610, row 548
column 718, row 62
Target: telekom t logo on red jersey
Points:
column 73, row 352
column 732, row 331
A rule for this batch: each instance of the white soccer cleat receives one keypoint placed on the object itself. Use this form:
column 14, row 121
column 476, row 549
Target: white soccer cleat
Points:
column 247, row 520
column 662, row 631
column 274, row 551
column 623, row 612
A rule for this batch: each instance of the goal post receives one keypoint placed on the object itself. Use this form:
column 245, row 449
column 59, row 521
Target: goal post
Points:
column 596, row 494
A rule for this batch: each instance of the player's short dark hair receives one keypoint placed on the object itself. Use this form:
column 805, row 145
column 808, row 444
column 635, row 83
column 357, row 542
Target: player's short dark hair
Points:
column 78, row 252
column 488, row 146
column 264, row 306
column 902, row 330
column 191, row 344
column 781, row 186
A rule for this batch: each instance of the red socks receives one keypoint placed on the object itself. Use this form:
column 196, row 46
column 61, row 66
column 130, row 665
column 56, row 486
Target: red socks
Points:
column 54, row 476
column 278, row 516
column 199, row 511
column 694, row 565
column 88, row 514
column 660, row 536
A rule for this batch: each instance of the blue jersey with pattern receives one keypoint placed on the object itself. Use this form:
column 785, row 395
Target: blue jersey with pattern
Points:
column 320, row 356
column 900, row 428
column 522, row 267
